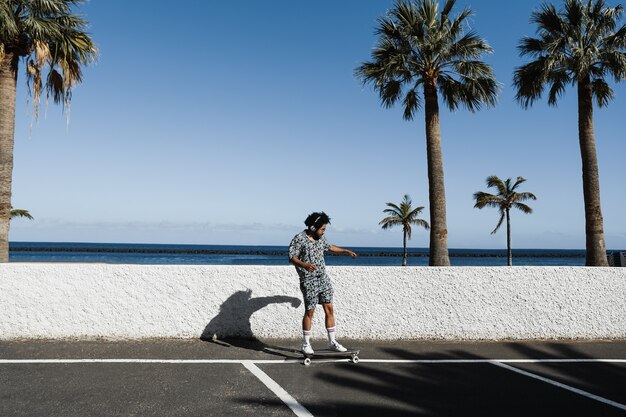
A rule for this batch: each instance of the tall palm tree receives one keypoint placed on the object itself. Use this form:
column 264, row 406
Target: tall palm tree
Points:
column 52, row 43
column 578, row 45
column 506, row 199
column 422, row 54
column 403, row 215
column 21, row 213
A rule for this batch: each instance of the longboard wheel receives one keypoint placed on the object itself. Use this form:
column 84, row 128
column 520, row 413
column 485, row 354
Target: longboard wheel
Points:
column 355, row 359
column 307, row 361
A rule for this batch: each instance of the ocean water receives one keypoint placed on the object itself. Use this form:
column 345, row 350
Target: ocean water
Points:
column 150, row 254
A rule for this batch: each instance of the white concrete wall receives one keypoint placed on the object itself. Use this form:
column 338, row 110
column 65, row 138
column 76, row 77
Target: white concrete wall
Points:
column 136, row 301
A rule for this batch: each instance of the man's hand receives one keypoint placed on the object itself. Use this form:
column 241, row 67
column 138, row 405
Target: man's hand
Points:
column 354, row 255
column 310, row 267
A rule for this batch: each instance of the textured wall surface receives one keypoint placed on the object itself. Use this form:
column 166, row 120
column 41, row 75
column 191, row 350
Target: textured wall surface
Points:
column 139, row 301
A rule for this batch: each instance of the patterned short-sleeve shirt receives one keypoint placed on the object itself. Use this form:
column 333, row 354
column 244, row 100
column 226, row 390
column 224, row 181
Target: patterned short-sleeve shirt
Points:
column 309, row 251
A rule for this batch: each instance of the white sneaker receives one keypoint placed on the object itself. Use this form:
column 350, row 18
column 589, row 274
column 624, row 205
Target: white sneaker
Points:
column 336, row 346
column 307, row 349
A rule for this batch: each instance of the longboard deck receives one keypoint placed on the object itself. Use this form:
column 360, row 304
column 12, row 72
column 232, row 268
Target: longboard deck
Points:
column 351, row 354
column 325, row 353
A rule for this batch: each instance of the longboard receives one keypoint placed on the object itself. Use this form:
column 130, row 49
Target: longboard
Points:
column 351, row 354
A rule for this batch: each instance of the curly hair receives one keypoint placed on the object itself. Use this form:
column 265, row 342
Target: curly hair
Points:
column 316, row 220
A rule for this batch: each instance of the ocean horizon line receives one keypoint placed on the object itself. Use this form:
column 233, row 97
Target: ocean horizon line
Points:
column 282, row 245
column 272, row 250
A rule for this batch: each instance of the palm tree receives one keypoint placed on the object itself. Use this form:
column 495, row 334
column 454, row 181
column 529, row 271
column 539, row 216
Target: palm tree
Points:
column 53, row 45
column 20, row 213
column 420, row 55
column 578, row 45
column 506, row 199
column 405, row 216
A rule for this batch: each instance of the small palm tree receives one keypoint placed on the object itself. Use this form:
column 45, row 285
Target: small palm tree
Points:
column 52, row 43
column 423, row 55
column 405, row 216
column 506, row 199
column 579, row 45
column 20, row 213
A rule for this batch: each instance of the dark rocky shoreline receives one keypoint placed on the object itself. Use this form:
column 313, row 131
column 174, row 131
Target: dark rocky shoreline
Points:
column 453, row 253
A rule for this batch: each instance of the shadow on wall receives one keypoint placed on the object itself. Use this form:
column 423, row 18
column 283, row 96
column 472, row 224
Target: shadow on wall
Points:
column 232, row 324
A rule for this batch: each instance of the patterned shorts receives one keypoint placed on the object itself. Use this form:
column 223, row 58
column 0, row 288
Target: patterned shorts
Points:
column 316, row 290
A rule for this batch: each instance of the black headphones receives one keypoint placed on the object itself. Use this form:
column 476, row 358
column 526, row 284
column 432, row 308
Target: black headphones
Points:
column 312, row 227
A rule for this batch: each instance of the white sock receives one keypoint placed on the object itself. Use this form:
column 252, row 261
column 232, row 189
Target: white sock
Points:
column 306, row 334
column 331, row 334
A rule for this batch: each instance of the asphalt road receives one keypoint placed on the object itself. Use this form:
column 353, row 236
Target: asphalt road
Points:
column 240, row 378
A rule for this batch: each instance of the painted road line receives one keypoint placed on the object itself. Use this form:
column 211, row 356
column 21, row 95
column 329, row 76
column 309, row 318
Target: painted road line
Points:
column 71, row 361
column 295, row 406
column 282, row 361
column 561, row 360
column 560, row 385
column 463, row 361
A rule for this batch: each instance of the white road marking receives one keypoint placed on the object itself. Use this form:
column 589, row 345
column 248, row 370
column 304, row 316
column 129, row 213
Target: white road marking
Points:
column 454, row 361
column 299, row 410
column 295, row 406
column 279, row 361
column 560, row 385
column 176, row 361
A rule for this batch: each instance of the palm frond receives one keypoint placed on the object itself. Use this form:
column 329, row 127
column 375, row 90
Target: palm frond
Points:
column 574, row 43
column 615, row 41
column 8, row 24
column 487, row 200
column 415, row 44
column 523, row 207
column 415, row 212
column 502, row 215
column 469, row 46
column 532, row 46
column 53, row 43
column 518, row 181
column 390, row 92
column 529, row 81
column 602, row 92
column 450, row 90
column 574, row 13
column 21, row 213
column 614, row 62
column 412, row 103
column 524, row 197
column 547, row 19
column 388, row 222
column 421, row 223
column 495, row 182
column 447, row 8
column 457, row 25
column 559, row 80
column 394, row 207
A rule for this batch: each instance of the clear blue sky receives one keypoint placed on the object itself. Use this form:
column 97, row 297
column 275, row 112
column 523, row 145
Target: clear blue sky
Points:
column 228, row 122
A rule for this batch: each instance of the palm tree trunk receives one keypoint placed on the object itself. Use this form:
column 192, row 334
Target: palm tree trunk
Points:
column 436, row 190
column 8, row 82
column 509, row 255
column 404, row 253
column 594, row 228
